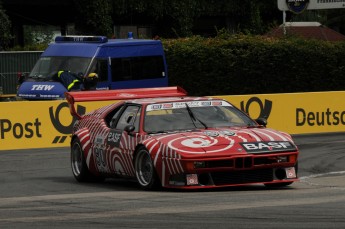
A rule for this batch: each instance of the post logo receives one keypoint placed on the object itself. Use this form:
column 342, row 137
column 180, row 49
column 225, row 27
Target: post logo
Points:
column 265, row 108
column 55, row 119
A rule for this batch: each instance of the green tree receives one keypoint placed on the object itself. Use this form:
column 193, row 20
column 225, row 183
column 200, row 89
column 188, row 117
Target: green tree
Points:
column 94, row 17
column 177, row 17
column 5, row 29
column 174, row 16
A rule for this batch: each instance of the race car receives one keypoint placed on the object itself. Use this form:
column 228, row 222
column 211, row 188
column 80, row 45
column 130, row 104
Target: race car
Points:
column 163, row 138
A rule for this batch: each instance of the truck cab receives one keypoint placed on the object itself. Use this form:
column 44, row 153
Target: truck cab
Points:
column 118, row 63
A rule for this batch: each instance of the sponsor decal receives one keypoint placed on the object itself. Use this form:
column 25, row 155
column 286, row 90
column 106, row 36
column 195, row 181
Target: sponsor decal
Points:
column 216, row 103
column 212, row 133
column 290, row 172
column 167, row 105
column 264, row 147
column 20, row 130
column 183, row 105
column 206, row 103
column 192, row 179
column 100, row 156
column 114, row 138
column 297, row 6
column 219, row 133
column 156, row 107
column 323, row 118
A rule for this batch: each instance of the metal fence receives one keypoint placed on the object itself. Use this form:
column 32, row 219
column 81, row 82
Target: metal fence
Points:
column 13, row 63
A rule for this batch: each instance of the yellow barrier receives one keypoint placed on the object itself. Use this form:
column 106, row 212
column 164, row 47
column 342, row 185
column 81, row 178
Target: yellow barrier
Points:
column 296, row 113
column 42, row 124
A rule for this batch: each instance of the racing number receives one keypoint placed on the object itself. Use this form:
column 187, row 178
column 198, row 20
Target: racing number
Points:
column 100, row 155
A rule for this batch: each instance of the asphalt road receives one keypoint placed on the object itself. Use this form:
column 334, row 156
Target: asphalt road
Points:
column 37, row 190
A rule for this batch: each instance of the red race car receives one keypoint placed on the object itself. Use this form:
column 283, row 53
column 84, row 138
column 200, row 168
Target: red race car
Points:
column 164, row 138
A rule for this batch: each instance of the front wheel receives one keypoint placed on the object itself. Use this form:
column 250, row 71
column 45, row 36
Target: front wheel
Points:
column 145, row 171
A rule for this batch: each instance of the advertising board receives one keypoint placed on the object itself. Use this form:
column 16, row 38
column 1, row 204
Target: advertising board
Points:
column 44, row 124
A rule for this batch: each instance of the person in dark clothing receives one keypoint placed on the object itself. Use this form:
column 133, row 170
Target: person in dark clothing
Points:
column 90, row 81
column 72, row 81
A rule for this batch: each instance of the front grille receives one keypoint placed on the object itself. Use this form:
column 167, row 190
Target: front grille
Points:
column 242, row 176
column 264, row 161
column 219, row 163
column 243, row 162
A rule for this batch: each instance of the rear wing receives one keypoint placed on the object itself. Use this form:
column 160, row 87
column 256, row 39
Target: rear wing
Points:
column 120, row 94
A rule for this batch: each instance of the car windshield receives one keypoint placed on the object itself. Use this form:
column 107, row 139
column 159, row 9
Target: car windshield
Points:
column 166, row 117
column 46, row 67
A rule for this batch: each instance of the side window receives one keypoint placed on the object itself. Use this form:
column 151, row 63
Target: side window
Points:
column 112, row 117
column 129, row 117
column 100, row 66
column 137, row 68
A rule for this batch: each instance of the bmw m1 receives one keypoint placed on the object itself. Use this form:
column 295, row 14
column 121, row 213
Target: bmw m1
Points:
column 161, row 137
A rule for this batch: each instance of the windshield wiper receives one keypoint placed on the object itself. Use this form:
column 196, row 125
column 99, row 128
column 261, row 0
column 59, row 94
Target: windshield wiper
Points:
column 193, row 118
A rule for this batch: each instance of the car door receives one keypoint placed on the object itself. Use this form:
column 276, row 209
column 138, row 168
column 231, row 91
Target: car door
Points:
column 120, row 143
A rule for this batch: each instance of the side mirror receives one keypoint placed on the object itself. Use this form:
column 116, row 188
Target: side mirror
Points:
column 261, row 121
column 129, row 129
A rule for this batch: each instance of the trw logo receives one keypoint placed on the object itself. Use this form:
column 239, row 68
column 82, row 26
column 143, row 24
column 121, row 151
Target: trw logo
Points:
column 42, row 87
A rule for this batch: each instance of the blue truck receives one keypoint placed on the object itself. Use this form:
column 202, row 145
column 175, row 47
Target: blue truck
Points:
column 117, row 63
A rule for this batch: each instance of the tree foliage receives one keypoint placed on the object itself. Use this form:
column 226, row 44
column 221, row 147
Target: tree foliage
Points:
column 178, row 17
column 5, row 29
column 251, row 64
column 93, row 17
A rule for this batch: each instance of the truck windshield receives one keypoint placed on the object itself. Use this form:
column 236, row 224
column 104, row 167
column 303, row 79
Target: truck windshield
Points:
column 46, row 67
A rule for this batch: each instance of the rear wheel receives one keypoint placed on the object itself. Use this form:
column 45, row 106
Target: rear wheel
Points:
column 78, row 163
column 145, row 171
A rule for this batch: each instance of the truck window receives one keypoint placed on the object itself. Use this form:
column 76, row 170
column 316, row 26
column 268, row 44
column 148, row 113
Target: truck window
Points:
column 46, row 67
column 137, row 68
column 100, row 66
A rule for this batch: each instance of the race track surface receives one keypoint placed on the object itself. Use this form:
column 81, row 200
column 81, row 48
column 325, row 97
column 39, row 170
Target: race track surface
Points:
column 38, row 190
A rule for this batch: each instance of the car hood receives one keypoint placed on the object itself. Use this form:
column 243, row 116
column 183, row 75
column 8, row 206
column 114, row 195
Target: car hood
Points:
column 227, row 140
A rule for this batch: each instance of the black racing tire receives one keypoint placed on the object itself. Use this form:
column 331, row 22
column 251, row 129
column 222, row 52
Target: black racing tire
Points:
column 278, row 185
column 145, row 171
column 78, row 163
